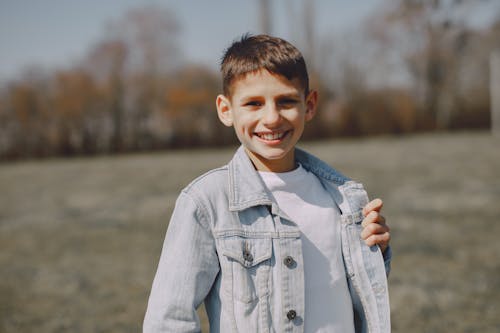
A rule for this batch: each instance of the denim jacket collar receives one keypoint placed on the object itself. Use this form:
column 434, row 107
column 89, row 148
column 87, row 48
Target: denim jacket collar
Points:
column 246, row 188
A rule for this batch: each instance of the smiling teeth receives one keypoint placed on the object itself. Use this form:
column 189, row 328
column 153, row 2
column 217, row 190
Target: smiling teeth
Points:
column 272, row 136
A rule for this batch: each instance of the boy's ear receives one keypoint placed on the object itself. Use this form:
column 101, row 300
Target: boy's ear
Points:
column 311, row 104
column 224, row 110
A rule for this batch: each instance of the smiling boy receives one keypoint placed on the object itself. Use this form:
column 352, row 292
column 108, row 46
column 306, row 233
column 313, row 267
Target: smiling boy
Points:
column 276, row 240
column 268, row 113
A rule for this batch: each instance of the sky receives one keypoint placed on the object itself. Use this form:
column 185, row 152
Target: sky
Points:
column 58, row 33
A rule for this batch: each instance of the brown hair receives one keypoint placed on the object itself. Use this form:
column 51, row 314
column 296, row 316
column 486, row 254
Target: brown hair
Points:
column 254, row 53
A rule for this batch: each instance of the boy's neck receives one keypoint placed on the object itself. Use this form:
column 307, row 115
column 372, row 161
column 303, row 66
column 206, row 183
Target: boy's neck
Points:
column 281, row 165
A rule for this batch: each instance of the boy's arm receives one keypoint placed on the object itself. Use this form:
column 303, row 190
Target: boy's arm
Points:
column 186, row 271
column 376, row 231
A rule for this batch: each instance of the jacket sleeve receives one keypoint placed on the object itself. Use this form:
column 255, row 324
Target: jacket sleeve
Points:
column 186, row 271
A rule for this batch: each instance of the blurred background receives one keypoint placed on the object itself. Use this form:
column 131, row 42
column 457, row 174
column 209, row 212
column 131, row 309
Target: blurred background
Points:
column 85, row 78
column 409, row 99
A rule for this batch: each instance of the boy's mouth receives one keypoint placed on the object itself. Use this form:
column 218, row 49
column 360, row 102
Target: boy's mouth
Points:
column 272, row 136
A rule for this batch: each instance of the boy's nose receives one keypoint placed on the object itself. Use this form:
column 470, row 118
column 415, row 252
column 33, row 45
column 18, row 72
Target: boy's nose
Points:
column 271, row 115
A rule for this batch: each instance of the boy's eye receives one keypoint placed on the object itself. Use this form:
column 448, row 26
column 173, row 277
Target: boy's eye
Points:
column 253, row 103
column 287, row 102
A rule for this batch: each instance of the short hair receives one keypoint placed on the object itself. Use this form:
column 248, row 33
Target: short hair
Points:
column 254, row 53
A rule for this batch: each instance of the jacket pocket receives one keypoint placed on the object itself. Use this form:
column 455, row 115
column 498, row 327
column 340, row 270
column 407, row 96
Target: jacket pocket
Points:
column 249, row 262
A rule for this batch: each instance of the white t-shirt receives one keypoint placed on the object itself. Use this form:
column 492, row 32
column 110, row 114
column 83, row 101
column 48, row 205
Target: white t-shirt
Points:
column 300, row 194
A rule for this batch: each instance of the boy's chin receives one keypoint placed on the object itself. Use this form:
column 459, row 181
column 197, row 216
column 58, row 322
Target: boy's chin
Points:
column 272, row 154
column 278, row 160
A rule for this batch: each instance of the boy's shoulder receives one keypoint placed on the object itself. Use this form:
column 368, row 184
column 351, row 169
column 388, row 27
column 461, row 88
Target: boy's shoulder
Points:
column 211, row 181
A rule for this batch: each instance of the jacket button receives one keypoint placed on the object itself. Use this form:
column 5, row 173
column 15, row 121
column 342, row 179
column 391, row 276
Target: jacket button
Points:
column 291, row 315
column 288, row 261
column 247, row 256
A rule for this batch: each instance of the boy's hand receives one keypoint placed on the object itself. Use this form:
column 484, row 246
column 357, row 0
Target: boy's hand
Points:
column 375, row 231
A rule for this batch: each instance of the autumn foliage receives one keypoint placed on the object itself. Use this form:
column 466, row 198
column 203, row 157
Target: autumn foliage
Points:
column 133, row 91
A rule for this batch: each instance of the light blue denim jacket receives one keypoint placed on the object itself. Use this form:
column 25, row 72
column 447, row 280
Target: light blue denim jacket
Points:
column 229, row 245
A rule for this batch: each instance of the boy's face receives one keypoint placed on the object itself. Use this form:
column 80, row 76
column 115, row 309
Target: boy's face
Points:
column 268, row 113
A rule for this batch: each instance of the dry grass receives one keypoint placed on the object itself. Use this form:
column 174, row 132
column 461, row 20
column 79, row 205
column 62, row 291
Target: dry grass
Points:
column 80, row 239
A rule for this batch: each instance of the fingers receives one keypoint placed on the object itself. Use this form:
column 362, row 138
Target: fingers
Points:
column 373, row 217
column 382, row 240
column 374, row 229
column 376, row 233
column 374, row 205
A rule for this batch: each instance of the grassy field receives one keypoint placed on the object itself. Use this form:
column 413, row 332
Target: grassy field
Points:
column 80, row 238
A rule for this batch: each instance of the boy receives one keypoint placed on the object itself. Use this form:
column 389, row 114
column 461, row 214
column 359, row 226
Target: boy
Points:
column 275, row 241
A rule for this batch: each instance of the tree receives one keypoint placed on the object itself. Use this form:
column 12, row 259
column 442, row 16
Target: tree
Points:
column 432, row 38
column 107, row 62
column 77, row 104
column 150, row 36
column 133, row 61
column 27, row 111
